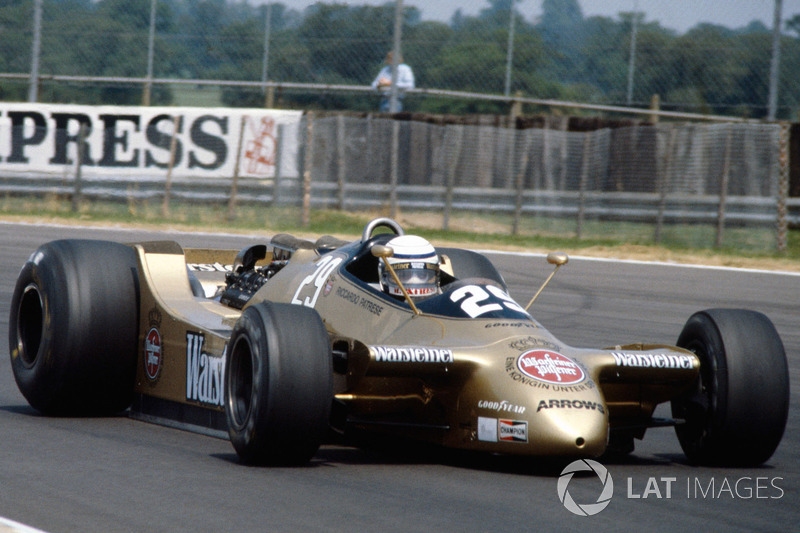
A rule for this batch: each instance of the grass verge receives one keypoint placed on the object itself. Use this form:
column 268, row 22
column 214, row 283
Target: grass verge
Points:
column 747, row 248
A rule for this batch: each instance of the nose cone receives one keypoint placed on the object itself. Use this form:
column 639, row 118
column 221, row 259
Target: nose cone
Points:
column 569, row 427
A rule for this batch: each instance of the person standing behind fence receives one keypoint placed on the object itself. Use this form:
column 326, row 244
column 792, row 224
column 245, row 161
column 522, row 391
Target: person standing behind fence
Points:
column 383, row 83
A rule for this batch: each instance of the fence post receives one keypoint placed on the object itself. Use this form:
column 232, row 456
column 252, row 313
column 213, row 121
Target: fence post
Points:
column 451, row 174
column 306, row 209
column 340, row 168
column 76, row 195
column 723, row 188
column 269, row 102
column 519, row 179
column 395, row 161
column 655, row 105
column 783, row 186
column 663, row 181
column 276, row 180
column 587, row 141
column 235, row 185
column 176, row 126
column 36, row 52
column 563, row 154
column 546, row 179
column 516, row 109
column 370, row 166
column 132, row 193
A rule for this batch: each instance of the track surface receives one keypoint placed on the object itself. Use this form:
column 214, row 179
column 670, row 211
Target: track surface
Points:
column 116, row 474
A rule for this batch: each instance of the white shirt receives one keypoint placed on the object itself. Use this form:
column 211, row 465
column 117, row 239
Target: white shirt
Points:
column 405, row 78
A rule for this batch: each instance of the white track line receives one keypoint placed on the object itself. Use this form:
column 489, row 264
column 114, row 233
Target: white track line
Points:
column 641, row 262
column 9, row 526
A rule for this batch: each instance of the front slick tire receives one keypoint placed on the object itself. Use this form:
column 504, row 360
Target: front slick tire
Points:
column 73, row 328
column 736, row 413
column 279, row 384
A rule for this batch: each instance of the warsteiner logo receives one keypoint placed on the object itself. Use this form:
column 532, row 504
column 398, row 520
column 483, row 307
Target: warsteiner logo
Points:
column 587, row 509
column 205, row 374
column 411, row 354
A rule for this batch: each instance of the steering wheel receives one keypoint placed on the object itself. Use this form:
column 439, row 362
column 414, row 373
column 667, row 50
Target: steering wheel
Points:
column 378, row 223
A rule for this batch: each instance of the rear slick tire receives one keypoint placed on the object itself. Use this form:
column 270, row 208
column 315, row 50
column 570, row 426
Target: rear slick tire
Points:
column 279, row 384
column 73, row 328
column 736, row 413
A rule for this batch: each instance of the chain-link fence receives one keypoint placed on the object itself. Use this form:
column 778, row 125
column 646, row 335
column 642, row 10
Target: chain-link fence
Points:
column 689, row 184
column 696, row 185
column 182, row 52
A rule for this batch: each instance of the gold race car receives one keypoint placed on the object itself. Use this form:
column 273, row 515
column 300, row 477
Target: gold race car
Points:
column 281, row 345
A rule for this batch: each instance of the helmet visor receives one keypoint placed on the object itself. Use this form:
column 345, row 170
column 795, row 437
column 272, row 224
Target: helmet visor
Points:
column 416, row 276
column 419, row 279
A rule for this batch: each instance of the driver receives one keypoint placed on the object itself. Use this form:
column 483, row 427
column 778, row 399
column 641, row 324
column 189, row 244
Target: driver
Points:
column 416, row 264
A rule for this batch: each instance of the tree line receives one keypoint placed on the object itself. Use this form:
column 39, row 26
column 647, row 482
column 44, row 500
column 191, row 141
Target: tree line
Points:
column 563, row 55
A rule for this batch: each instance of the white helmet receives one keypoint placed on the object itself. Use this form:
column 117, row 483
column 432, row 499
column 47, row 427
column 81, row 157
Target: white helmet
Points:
column 416, row 264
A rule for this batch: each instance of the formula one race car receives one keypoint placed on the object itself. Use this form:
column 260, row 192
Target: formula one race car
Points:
column 295, row 341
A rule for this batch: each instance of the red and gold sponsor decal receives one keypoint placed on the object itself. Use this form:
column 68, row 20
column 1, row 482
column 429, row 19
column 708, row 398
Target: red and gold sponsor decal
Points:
column 550, row 367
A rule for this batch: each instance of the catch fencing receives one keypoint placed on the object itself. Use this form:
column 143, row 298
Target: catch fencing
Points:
column 184, row 52
column 693, row 184
column 700, row 183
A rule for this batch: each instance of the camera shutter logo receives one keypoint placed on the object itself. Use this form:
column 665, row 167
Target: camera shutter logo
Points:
column 588, row 509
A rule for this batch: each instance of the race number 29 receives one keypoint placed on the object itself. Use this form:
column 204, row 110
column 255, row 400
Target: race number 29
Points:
column 325, row 266
column 475, row 301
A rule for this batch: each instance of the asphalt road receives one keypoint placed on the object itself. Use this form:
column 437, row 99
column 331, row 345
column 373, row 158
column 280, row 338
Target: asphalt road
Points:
column 117, row 474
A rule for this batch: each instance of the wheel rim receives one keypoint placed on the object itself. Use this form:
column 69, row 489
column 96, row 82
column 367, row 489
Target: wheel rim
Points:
column 699, row 404
column 240, row 385
column 30, row 325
